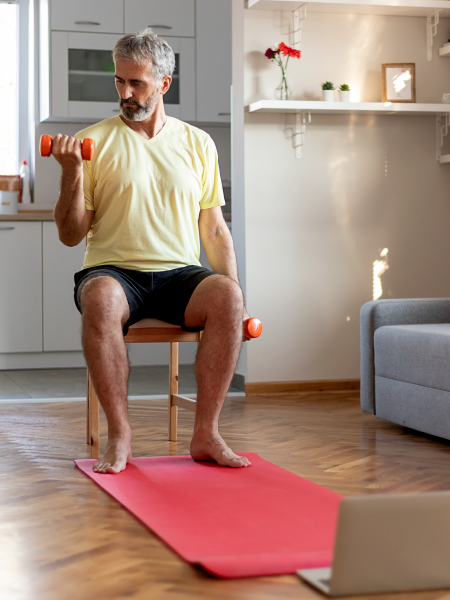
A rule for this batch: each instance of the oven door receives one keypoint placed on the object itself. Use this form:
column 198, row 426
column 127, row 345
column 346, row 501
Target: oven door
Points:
column 82, row 77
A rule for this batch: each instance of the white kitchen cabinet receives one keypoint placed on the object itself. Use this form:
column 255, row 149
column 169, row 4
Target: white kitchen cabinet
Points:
column 76, row 71
column 179, row 101
column 21, row 287
column 166, row 17
column 61, row 319
column 83, row 86
column 98, row 16
column 213, row 58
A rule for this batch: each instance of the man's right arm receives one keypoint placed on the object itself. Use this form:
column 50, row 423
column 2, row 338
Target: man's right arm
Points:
column 72, row 217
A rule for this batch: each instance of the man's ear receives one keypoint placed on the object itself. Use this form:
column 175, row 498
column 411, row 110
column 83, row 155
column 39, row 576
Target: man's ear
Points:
column 165, row 85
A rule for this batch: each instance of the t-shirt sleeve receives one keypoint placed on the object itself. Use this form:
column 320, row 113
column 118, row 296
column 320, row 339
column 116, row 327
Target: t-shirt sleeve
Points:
column 88, row 181
column 212, row 185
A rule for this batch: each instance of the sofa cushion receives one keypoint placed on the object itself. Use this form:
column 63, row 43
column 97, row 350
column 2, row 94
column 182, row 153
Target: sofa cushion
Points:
column 418, row 354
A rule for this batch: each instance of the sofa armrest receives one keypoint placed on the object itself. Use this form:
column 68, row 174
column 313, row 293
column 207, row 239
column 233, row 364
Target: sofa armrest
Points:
column 408, row 311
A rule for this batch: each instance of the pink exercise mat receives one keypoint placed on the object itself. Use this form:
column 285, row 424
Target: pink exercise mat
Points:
column 247, row 522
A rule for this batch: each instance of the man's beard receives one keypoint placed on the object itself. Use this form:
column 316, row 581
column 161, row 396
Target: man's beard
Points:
column 143, row 111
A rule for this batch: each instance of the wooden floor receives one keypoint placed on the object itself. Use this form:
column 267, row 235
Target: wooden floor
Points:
column 62, row 538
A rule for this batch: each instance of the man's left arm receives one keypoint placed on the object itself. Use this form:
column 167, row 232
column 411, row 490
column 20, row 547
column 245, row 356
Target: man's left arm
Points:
column 218, row 243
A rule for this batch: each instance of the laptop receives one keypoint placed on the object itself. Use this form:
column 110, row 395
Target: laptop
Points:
column 388, row 543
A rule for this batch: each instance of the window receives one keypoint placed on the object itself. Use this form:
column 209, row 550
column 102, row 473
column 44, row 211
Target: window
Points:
column 8, row 90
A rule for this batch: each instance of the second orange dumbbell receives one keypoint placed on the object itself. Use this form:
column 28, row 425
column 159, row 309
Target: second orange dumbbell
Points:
column 87, row 147
column 252, row 328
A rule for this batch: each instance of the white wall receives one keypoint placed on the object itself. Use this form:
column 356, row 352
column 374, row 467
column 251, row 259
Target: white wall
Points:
column 315, row 226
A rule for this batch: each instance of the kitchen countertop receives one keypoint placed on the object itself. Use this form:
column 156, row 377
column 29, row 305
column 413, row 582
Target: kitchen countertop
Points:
column 47, row 215
column 38, row 215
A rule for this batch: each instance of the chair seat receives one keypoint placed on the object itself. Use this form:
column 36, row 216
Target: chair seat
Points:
column 155, row 324
column 154, row 330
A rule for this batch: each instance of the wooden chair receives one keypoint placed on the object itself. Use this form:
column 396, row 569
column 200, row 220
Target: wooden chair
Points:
column 147, row 331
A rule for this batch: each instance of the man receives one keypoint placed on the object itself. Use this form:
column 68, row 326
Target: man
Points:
column 151, row 189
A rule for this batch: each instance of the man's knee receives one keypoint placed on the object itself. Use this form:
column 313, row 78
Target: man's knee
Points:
column 227, row 298
column 103, row 299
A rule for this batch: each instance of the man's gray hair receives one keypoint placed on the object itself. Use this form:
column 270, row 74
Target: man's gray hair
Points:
column 145, row 46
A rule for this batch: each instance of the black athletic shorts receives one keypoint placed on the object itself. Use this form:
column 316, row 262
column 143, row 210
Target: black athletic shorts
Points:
column 156, row 294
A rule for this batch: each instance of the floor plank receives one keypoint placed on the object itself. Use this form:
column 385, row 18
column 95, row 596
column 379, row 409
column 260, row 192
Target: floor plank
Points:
column 63, row 537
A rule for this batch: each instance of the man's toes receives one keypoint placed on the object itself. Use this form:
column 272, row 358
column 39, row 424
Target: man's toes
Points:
column 115, row 468
column 101, row 467
column 234, row 461
column 241, row 461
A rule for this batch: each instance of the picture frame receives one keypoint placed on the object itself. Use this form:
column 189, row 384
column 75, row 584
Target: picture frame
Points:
column 398, row 82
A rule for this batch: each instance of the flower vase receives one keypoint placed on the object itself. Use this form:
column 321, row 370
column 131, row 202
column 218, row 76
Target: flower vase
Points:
column 283, row 91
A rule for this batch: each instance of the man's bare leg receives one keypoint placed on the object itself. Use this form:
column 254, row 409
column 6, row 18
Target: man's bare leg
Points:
column 217, row 304
column 105, row 309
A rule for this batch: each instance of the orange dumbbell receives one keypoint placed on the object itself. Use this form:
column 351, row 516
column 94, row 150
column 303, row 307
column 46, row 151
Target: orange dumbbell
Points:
column 252, row 328
column 87, row 147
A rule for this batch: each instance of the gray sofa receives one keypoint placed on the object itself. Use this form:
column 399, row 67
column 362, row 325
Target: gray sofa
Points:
column 405, row 363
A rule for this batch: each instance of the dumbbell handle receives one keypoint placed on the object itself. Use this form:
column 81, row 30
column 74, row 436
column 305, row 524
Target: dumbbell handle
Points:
column 252, row 328
column 87, row 147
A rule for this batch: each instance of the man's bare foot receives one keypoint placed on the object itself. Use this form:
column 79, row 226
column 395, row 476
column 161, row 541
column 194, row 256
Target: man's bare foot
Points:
column 117, row 455
column 210, row 446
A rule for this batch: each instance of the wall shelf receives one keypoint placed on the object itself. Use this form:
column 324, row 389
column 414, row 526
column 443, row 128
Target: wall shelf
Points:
column 444, row 51
column 303, row 109
column 393, row 8
column 349, row 108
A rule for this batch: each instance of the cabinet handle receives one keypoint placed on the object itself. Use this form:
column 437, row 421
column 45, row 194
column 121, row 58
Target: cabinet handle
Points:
column 224, row 114
column 86, row 23
column 161, row 26
column 6, row 228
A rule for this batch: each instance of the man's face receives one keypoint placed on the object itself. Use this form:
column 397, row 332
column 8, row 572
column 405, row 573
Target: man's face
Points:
column 139, row 92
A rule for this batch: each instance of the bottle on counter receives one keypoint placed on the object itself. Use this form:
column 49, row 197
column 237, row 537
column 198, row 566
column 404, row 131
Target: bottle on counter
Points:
column 25, row 183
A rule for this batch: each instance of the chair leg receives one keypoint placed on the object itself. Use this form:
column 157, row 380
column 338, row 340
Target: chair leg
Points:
column 88, row 427
column 173, row 389
column 93, row 419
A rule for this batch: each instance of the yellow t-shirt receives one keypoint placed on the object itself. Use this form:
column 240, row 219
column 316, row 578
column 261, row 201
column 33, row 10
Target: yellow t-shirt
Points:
column 147, row 194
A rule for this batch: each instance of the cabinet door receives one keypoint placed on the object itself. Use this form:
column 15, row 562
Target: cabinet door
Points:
column 83, row 76
column 213, row 60
column 102, row 16
column 62, row 321
column 179, row 102
column 165, row 17
column 21, row 286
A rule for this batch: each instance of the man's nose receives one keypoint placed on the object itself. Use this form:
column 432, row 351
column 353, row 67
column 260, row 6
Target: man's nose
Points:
column 127, row 92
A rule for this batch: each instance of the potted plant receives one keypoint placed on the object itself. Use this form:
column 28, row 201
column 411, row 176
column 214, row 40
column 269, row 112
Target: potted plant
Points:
column 344, row 93
column 328, row 91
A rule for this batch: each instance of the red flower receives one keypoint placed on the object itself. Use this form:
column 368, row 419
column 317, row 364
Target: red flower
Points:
column 271, row 53
column 287, row 50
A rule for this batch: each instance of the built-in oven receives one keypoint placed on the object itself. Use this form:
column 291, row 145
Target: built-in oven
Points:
column 81, row 78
